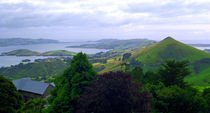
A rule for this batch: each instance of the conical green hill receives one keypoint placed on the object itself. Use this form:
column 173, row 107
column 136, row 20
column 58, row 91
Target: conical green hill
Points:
column 169, row 48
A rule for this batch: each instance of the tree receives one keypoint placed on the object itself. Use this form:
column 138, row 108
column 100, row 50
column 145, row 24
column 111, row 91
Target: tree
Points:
column 126, row 56
column 10, row 98
column 206, row 96
column 70, row 85
column 114, row 92
column 33, row 106
column 137, row 74
column 174, row 99
column 174, row 72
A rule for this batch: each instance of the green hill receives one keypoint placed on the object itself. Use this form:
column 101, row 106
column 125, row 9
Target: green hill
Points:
column 20, row 52
column 169, row 49
column 26, row 52
column 58, row 53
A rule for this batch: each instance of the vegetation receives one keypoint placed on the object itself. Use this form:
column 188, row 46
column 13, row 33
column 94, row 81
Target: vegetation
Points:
column 58, row 53
column 33, row 106
column 11, row 99
column 114, row 92
column 24, row 41
column 26, row 52
column 173, row 73
column 174, row 99
column 119, row 44
column 21, row 52
column 70, row 85
column 45, row 70
column 169, row 49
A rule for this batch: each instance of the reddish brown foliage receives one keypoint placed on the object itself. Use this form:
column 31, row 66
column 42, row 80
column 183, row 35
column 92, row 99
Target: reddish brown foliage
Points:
column 114, row 92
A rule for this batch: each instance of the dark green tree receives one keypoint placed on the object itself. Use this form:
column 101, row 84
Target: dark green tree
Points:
column 173, row 73
column 33, row 106
column 10, row 98
column 137, row 74
column 174, row 99
column 70, row 85
column 206, row 96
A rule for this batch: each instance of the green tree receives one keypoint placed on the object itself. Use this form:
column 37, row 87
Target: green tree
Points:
column 10, row 98
column 33, row 106
column 70, row 85
column 176, row 100
column 137, row 74
column 206, row 96
column 173, row 73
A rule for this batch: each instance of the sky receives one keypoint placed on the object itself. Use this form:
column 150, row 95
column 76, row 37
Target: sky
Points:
column 82, row 20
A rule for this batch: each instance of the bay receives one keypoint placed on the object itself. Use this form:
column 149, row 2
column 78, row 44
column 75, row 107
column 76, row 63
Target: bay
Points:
column 6, row 61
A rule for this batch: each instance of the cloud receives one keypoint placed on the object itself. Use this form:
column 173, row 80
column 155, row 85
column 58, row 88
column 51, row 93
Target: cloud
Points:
column 125, row 17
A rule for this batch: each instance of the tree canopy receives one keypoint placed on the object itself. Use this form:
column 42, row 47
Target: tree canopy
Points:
column 10, row 98
column 114, row 92
column 70, row 85
column 173, row 73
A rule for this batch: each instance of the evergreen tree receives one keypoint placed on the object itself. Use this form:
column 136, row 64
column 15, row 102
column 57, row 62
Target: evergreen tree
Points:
column 174, row 72
column 10, row 98
column 70, row 85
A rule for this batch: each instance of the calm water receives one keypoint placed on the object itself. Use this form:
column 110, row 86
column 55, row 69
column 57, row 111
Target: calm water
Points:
column 13, row 60
column 202, row 48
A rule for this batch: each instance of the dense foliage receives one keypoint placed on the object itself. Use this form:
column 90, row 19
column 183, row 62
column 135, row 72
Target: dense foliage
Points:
column 33, row 106
column 70, row 85
column 170, row 93
column 115, row 92
column 173, row 73
column 174, row 99
column 44, row 70
column 10, row 98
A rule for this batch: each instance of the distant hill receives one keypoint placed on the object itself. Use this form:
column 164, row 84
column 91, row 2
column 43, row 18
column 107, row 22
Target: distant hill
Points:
column 26, row 52
column 58, row 53
column 151, row 57
column 169, row 49
column 21, row 52
column 118, row 44
column 24, row 41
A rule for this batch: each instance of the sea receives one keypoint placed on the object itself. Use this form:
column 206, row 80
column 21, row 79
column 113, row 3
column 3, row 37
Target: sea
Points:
column 6, row 61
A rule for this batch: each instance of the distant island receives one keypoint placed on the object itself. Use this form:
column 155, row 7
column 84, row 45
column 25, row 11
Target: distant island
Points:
column 24, row 41
column 26, row 52
column 117, row 44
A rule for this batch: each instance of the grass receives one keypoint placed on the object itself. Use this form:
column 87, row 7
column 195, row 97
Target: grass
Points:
column 169, row 49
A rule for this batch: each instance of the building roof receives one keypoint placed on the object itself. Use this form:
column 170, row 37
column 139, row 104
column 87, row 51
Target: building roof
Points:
column 26, row 84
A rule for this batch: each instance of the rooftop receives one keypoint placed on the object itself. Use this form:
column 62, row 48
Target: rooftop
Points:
column 26, row 84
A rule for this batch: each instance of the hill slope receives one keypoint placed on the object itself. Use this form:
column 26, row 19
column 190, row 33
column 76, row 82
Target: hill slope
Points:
column 21, row 52
column 169, row 49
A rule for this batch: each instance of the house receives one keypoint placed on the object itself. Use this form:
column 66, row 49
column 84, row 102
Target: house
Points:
column 32, row 89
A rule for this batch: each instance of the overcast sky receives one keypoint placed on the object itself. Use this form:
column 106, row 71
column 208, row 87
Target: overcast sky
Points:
column 79, row 20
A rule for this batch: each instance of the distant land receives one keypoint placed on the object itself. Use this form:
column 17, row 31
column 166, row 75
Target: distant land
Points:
column 200, row 45
column 117, row 44
column 24, row 41
column 26, row 52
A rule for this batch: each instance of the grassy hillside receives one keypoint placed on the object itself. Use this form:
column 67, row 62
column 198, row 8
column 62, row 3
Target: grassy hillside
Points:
column 45, row 70
column 150, row 58
column 169, row 49
column 21, row 52
column 58, row 53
